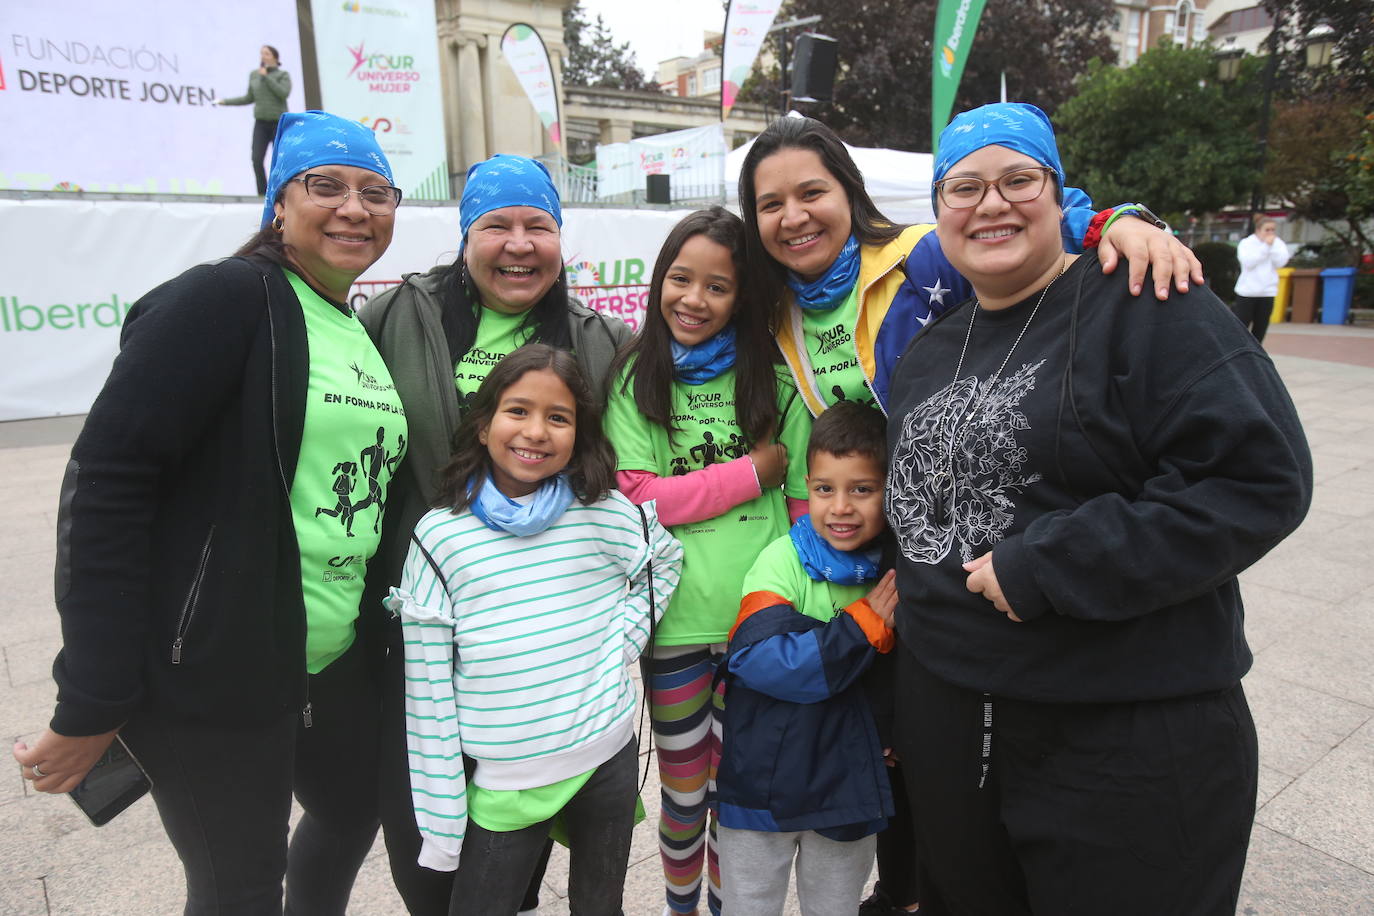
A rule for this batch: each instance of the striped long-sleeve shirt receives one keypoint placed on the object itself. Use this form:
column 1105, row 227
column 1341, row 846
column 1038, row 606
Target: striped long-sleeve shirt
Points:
column 521, row 656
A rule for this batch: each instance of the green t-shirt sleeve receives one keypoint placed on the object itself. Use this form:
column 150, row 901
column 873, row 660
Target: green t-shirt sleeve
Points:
column 628, row 430
column 794, row 431
column 776, row 570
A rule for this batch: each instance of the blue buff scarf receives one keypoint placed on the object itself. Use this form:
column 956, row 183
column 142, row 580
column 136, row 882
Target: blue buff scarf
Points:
column 698, row 364
column 824, row 563
column 501, row 513
column 832, row 287
column 306, row 139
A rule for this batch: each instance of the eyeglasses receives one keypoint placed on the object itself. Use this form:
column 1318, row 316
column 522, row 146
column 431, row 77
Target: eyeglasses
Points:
column 1016, row 187
column 331, row 193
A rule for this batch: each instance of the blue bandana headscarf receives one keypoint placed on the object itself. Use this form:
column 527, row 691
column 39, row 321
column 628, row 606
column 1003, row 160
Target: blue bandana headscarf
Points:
column 697, row 365
column 1015, row 125
column 832, row 287
column 507, row 181
column 825, row 563
column 306, row 139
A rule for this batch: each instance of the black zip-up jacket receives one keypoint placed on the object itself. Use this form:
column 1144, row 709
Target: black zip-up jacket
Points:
column 178, row 571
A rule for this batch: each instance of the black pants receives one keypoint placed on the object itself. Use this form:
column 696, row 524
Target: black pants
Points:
column 1253, row 312
column 1092, row 808
column 224, row 796
column 897, row 879
column 264, row 132
column 424, row 891
column 495, row 867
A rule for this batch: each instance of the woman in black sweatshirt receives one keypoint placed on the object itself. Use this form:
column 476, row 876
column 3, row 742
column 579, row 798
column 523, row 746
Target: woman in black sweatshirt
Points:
column 1076, row 480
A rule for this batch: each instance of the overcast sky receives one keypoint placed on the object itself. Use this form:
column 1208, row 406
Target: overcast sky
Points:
column 659, row 29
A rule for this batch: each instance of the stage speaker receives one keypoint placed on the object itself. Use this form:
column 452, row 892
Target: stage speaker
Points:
column 657, row 189
column 813, row 68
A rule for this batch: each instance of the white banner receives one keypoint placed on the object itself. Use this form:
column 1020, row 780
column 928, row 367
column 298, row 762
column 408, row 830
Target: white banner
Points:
column 746, row 26
column 61, row 305
column 695, row 158
column 379, row 64
column 102, row 97
column 525, row 52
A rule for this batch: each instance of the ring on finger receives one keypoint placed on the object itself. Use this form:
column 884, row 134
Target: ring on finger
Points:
column 37, row 773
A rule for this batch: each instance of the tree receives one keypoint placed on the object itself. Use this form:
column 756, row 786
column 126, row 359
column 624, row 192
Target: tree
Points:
column 1352, row 65
column 1321, row 161
column 1165, row 131
column 594, row 59
column 882, row 86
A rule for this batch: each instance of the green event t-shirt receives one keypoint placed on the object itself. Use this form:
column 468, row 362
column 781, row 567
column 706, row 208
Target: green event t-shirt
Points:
column 778, row 570
column 830, row 347
column 717, row 551
column 354, row 436
column 498, row 334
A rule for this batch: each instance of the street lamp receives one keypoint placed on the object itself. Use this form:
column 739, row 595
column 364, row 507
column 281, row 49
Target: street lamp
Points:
column 1228, row 60
column 1320, row 42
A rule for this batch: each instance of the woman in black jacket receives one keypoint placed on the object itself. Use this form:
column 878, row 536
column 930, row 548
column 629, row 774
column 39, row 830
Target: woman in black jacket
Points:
column 1078, row 474
column 218, row 513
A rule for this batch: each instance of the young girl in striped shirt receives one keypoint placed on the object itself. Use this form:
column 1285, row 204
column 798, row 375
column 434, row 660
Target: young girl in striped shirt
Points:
column 704, row 424
column 525, row 602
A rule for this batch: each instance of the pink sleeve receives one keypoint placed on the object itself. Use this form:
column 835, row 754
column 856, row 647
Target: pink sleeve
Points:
column 695, row 496
column 796, row 508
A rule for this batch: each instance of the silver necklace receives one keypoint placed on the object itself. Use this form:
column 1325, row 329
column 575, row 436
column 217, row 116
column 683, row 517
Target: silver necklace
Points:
column 944, row 477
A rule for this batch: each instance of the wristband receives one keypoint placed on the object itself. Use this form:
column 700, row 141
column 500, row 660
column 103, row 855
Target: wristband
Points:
column 1140, row 211
column 1093, row 236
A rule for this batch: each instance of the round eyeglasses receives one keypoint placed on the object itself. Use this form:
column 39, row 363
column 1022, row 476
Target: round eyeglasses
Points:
column 1016, row 187
column 331, row 193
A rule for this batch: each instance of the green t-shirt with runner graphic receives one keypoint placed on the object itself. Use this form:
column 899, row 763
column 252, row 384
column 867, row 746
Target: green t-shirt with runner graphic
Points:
column 354, row 436
column 498, row 335
column 834, row 359
column 717, row 552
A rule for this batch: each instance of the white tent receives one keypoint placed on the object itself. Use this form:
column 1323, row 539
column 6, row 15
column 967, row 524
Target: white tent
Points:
column 898, row 182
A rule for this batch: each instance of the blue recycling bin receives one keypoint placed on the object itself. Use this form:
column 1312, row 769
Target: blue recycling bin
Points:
column 1338, row 288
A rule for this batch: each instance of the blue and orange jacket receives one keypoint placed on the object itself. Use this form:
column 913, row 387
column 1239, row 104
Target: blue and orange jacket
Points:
column 800, row 748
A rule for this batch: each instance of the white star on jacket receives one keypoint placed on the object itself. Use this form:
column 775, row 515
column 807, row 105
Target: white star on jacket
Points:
column 937, row 296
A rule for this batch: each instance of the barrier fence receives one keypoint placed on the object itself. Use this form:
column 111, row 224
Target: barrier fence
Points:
column 625, row 301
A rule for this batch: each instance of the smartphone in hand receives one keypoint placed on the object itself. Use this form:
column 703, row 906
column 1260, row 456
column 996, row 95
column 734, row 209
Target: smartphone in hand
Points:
column 115, row 782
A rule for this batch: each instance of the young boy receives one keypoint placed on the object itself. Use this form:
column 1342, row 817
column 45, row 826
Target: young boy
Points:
column 801, row 773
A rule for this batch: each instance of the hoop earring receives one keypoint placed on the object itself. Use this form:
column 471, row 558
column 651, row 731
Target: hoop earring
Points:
column 276, row 224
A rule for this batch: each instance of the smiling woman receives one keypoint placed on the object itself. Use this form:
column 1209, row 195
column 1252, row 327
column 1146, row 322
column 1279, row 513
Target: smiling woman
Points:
column 221, row 503
column 1078, row 473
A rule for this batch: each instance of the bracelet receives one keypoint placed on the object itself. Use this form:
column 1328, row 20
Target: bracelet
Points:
column 1093, row 236
column 1140, row 211
column 1119, row 212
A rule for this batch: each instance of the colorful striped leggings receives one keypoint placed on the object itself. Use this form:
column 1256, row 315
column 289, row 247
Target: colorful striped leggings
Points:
column 686, row 723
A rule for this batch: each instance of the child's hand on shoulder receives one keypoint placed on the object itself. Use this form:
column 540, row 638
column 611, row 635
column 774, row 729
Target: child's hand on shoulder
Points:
column 883, row 598
column 770, row 463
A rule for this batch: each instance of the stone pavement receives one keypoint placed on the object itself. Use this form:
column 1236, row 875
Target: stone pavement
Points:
column 1310, row 620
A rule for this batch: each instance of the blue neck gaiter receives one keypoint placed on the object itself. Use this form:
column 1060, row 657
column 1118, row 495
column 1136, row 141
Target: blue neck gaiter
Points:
column 501, row 513
column 699, row 364
column 824, row 563
column 832, row 287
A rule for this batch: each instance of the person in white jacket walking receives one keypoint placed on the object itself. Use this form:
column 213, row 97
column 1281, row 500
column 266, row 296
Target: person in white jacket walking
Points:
column 1261, row 254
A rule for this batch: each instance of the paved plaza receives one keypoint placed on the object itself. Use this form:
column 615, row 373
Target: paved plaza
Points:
column 1310, row 620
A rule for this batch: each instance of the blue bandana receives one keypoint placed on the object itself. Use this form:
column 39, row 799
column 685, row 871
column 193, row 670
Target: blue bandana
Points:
column 306, row 139
column 501, row 513
column 507, row 181
column 834, row 286
column 826, row 564
column 698, row 364
column 1015, row 125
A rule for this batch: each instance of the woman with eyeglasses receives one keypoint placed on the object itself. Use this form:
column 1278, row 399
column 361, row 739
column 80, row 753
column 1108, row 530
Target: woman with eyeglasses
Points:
column 217, row 518
column 1077, row 477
